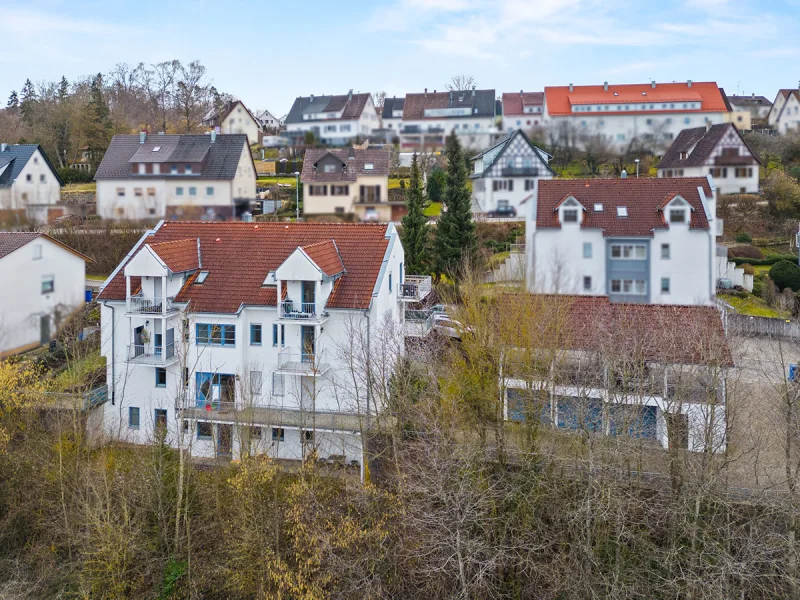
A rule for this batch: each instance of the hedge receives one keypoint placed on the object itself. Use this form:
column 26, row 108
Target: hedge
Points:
column 763, row 262
column 786, row 274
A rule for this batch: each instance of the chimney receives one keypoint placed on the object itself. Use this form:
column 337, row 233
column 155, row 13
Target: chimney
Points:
column 312, row 97
column 473, row 91
column 426, row 92
column 3, row 147
column 624, row 174
column 754, row 95
column 689, row 83
column 708, row 125
column 605, row 86
column 142, row 136
column 351, row 153
column 653, row 84
column 571, row 88
column 213, row 135
column 350, row 95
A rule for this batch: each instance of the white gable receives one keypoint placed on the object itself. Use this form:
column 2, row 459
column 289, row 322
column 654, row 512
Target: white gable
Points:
column 146, row 263
column 299, row 267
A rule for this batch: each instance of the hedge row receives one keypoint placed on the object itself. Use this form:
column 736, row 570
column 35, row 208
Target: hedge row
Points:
column 760, row 262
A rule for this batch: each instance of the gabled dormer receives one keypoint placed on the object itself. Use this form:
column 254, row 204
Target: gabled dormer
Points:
column 306, row 280
column 676, row 210
column 330, row 163
column 158, row 271
column 570, row 211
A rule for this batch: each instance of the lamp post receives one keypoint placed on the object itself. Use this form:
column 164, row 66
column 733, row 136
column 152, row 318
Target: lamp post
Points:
column 637, row 168
column 297, row 195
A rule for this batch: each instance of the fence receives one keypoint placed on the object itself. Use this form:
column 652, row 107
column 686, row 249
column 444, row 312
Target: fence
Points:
column 762, row 326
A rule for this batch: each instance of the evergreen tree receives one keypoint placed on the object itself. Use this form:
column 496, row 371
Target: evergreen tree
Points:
column 63, row 89
column 455, row 232
column 415, row 224
column 98, row 129
column 13, row 100
column 27, row 102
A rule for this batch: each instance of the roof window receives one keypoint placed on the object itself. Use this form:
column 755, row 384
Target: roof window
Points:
column 622, row 211
column 156, row 148
column 201, row 277
column 369, row 166
column 598, row 207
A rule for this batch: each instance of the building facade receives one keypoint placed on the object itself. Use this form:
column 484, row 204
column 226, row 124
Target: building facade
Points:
column 784, row 116
column 30, row 187
column 644, row 241
column 333, row 120
column 46, row 283
column 237, row 119
column 757, row 106
column 177, row 176
column 717, row 150
column 506, row 174
column 523, row 110
column 228, row 338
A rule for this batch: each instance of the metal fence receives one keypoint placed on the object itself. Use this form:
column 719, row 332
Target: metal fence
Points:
column 762, row 326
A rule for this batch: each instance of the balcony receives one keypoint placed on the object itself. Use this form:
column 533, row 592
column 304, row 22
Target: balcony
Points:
column 415, row 288
column 520, row 171
column 150, row 354
column 141, row 305
column 302, row 312
column 309, row 364
column 418, row 323
column 731, row 161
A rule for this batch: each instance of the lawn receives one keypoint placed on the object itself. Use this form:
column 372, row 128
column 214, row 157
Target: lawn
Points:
column 752, row 306
column 261, row 181
column 762, row 269
column 434, row 209
column 75, row 188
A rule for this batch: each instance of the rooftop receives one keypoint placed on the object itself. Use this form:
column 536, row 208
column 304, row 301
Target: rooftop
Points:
column 474, row 103
column 307, row 108
column 356, row 161
column 515, row 102
column 697, row 145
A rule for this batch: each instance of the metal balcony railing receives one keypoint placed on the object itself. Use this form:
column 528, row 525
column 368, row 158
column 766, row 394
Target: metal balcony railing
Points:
column 302, row 363
column 415, row 287
column 143, row 305
column 150, row 354
column 299, row 310
column 520, row 171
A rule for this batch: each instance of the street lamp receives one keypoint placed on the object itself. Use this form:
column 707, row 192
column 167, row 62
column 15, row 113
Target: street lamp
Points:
column 297, row 195
column 637, row 168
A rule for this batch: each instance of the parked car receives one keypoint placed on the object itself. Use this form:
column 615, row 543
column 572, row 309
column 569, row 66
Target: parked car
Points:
column 502, row 212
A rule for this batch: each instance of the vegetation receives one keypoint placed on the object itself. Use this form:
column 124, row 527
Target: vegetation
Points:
column 751, row 305
column 415, row 225
column 743, row 238
column 786, row 274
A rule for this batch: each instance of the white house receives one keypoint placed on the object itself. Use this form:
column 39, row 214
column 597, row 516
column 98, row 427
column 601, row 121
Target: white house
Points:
column 784, row 116
column 236, row 118
column 334, row 120
column 29, row 185
column 636, row 116
column 650, row 241
column 392, row 114
column 428, row 119
column 716, row 150
column 236, row 337
column 523, row 110
column 268, row 121
column 757, row 106
column 45, row 283
column 178, row 176
column 505, row 174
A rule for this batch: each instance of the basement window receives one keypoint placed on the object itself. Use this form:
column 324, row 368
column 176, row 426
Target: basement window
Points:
column 201, row 277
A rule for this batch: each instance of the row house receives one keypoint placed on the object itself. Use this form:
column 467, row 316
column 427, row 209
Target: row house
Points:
column 351, row 182
column 30, row 188
column 784, row 116
column 523, row 110
column 507, row 173
column 229, row 338
column 636, row 116
column 333, row 120
column 643, row 241
column 179, row 176
column 653, row 373
column 716, row 150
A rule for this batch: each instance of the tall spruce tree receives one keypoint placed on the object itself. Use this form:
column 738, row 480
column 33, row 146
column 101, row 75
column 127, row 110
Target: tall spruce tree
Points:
column 98, row 125
column 27, row 103
column 13, row 100
column 415, row 225
column 455, row 233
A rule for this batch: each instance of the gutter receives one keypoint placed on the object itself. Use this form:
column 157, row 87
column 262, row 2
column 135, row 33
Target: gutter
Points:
column 113, row 352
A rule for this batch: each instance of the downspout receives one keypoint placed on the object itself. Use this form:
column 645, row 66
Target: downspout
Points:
column 365, row 475
column 113, row 351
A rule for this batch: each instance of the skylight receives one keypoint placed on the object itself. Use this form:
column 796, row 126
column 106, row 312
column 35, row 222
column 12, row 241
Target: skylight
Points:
column 622, row 211
column 156, row 148
column 598, row 208
column 201, row 277
column 369, row 166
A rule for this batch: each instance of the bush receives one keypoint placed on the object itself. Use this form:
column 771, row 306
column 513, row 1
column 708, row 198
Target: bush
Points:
column 770, row 260
column 748, row 269
column 743, row 238
column 785, row 274
column 68, row 175
column 758, row 287
column 745, row 251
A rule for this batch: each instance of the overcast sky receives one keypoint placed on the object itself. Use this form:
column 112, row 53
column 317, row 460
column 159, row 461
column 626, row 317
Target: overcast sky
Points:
column 267, row 52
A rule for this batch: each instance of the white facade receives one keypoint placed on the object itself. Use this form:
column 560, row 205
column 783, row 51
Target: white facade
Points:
column 290, row 381
column 788, row 118
column 45, row 285
column 473, row 132
column 533, row 116
column 337, row 131
column 239, row 120
column 36, row 189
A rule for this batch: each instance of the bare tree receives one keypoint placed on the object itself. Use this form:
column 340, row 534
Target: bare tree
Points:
column 461, row 82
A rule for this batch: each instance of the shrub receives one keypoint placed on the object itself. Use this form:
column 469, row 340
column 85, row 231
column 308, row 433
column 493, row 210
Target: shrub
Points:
column 68, row 175
column 748, row 269
column 743, row 238
column 742, row 294
column 745, row 251
column 770, row 260
column 785, row 274
column 758, row 287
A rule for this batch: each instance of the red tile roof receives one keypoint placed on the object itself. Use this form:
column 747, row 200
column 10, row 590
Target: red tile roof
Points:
column 514, row 103
column 560, row 100
column 326, row 256
column 642, row 197
column 663, row 333
column 178, row 255
column 238, row 257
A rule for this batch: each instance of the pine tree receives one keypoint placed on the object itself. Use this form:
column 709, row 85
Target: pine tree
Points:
column 27, row 102
column 455, row 232
column 63, row 89
column 98, row 129
column 13, row 100
column 415, row 225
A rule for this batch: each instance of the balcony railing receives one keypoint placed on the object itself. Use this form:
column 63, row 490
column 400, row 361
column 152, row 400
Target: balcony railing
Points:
column 150, row 354
column 415, row 288
column 300, row 310
column 302, row 363
column 418, row 323
column 734, row 160
column 143, row 305
column 520, row 171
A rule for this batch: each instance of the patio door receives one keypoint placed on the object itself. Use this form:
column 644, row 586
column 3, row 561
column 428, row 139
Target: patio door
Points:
column 308, row 344
column 138, row 342
column 44, row 329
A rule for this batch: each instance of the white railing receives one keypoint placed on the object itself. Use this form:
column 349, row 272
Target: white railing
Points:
column 305, row 363
column 150, row 354
column 141, row 304
column 299, row 310
column 415, row 287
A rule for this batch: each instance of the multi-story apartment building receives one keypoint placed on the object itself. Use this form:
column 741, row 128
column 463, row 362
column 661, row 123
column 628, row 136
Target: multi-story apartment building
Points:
column 30, row 187
column 784, row 116
column 523, row 110
column 428, row 118
column 716, row 150
column 757, row 106
column 650, row 241
column 507, row 173
column 185, row 176
column 348, row 182
column 637, row 116
column 334, row 120
column 228, row 338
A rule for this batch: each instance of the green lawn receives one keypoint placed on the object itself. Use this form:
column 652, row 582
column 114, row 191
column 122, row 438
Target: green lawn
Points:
column 752, row 306
column 762, row 269
column 434, row 209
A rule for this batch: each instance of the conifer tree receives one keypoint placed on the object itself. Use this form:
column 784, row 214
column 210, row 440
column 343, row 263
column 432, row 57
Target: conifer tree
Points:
column 415, row 224
column 13, row 100
column 99, row 128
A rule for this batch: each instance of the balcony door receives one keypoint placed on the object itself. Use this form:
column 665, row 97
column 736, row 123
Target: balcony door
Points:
column 138, row 342
column 157, row 291
column 308, row 297
column 308, row 344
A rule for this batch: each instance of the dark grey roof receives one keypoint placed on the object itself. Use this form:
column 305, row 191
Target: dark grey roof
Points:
column 221, row 156
column 390, row 105
column 699, row 143
column 16, row 156
column 12, row 240
column 482, row 103
column 750, row 100
column 351, row 105
column 503, row 144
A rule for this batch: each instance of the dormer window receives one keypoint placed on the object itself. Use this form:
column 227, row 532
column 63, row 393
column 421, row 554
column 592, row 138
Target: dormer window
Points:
column 570, row 215
column 677, row 215
column 188, row 169
column 329, row 168
column 173, row 169
column 201, row 277
column 142, row 168
column 684, row 155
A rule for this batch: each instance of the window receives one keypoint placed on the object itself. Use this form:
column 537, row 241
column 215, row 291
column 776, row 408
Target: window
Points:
column 193, row 191
column 185, row 426
column 121, row 192
column 570, row 215
column 186, row 377
column 156, row 148
column 622, row 211
column 317, row 190
column 684, row 155
column 161, row 377
column 210, row 191
column 28, row 177
column 179, row 191
column 173, row 169
column 37, row 251
column 255, row 383
column 369, row 166
column 636, row 287
column 587, row 249
column 687, row 121
column 277, row 434
column 665, row 251
column 277, row 384
column 201, row 277
column 730, row 152
column 340, row 190
column 255, row 334
column 275, row 330
column 188, row 169
column 203, row 430
column 743, row 172
column 390, row 283
column 629, row 251
column 255, row 432
column 42, row 178
column 138, row 192
column 48, row 284
column 665, row 285
column 329, row 168
column 151, row 191
column 677, row 215
column 529, row 184
column 133, row 417
column 718, row 172
column 215, row 335
column 587, row 284
column 308, row 435
column 161, row 419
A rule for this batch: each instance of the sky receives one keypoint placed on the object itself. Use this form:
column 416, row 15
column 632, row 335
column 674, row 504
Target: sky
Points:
column 268, row 52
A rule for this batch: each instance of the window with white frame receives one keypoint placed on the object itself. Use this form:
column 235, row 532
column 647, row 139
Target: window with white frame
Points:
column 629, row 251
column 633, row 287
column 665, row 251
column 569, row 215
